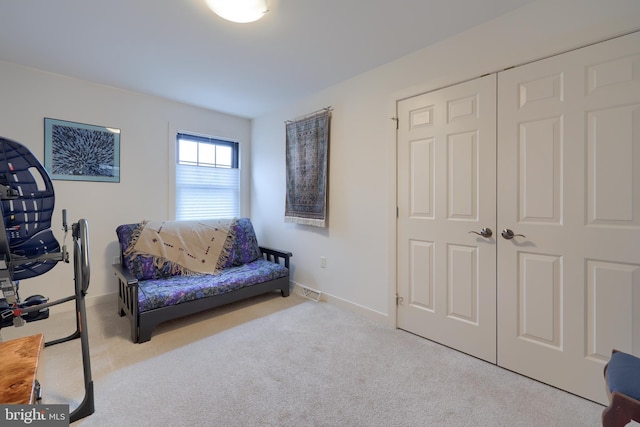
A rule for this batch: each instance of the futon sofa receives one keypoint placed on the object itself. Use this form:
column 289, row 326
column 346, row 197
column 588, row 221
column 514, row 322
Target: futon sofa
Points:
column 152, row 291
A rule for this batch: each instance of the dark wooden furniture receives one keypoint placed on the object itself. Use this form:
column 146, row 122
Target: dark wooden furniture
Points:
column 143, row 323
column 622, row 378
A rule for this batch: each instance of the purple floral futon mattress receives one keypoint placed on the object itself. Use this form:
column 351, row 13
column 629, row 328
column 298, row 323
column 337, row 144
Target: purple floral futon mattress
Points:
column 155, row 293
column 161, row 286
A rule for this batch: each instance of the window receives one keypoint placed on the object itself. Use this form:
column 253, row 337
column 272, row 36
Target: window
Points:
column 207, row 178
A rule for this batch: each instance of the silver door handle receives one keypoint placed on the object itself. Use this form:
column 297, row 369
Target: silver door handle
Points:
column 509, row 234
column 484, row 232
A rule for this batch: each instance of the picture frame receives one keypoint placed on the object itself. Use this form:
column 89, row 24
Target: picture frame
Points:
column 81, row 152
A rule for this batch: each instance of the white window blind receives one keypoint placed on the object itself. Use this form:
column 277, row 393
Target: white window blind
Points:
column 204, row 191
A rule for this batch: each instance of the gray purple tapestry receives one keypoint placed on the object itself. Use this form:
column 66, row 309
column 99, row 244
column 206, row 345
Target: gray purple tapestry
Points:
column 307, row 169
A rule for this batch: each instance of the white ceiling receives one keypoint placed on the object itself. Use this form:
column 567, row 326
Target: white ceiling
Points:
column 179, row 49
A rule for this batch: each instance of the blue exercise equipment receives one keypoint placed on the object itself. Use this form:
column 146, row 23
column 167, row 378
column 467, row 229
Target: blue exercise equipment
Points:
column 28, row 248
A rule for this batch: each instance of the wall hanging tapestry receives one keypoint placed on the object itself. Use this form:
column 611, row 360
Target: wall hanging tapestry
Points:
column 307, row 169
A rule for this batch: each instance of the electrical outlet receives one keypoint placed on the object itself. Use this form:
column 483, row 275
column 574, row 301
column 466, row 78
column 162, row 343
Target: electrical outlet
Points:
column 323, row 262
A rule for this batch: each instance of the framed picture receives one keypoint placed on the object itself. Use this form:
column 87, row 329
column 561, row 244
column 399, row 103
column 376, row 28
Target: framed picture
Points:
column 81, row 152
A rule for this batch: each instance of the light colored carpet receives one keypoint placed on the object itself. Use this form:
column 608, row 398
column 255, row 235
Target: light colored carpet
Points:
column 276, row 361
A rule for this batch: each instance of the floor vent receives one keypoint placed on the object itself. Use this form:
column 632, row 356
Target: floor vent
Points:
column 312, row 294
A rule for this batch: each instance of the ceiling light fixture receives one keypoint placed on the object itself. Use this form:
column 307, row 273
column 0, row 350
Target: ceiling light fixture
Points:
column 241, row 11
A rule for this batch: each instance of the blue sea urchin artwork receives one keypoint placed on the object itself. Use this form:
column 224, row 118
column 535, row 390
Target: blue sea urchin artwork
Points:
column 82, row 151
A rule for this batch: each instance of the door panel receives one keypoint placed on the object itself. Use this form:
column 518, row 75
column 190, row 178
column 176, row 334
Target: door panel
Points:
column 566, row 288
column 540, row 171
column 446, row 190
column 610, row 165
column 568, row 180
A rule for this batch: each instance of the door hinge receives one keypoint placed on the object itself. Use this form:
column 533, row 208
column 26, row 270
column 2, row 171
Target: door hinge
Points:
column 395, row 119
column 398, row 299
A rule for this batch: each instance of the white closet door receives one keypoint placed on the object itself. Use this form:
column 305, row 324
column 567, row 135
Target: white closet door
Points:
column 446, row 191
column 569, row 180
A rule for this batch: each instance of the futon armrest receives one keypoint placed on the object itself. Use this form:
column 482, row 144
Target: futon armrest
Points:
column 274, row 255
column 124, row 275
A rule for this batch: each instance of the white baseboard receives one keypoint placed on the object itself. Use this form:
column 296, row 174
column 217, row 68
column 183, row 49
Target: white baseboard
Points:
column 363, row 311
column 305, row 291
column 89, row 301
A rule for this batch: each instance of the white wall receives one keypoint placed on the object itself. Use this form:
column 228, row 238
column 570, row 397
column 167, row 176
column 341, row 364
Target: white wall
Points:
column 28, row 95
column 359, row 243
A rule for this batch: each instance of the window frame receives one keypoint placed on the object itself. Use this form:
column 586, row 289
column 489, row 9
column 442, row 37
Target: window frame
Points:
column 234, row 165
column 200, row 139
